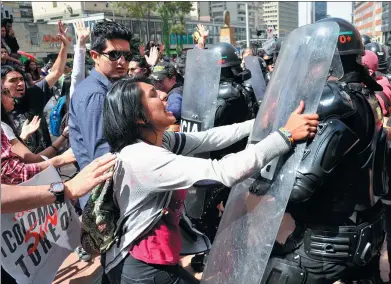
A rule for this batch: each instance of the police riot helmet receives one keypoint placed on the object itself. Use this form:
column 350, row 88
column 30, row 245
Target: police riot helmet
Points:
column 378, row 49
column 349, row 40
column 366, row 39
column 229, row 54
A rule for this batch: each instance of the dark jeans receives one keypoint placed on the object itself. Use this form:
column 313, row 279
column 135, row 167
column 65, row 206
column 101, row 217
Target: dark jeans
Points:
column 133, row 271
column 387, row 209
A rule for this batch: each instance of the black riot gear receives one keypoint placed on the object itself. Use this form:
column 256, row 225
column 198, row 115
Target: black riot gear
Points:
column 236, row 102
column 366, row 39
column 349, row 41
column 378, row 49
column 229, row 54
column 335, row 200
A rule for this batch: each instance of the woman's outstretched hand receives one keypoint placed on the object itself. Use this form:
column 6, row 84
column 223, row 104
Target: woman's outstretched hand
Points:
column 302, row 126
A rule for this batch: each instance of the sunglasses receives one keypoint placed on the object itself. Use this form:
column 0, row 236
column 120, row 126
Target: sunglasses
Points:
column 114, row 55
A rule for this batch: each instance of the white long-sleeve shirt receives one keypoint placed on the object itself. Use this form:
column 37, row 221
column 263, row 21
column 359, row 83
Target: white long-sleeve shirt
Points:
column 78, row 69
column 147, row 174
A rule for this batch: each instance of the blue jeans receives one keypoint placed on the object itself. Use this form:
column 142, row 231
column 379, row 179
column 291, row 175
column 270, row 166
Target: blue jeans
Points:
column 133, row 271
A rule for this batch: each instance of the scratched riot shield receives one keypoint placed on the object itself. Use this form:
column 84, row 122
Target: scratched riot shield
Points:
column 250, row 221
column 199, row 108
column 257, row 80
column 198, row 114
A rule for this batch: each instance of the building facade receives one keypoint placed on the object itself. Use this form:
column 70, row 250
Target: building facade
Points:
column 38, row 39
column 368, row 19
column 17, row 11
column 320, row 10
column 281, row 17
column 237, row 10
column 386, row 23
column 142, row 29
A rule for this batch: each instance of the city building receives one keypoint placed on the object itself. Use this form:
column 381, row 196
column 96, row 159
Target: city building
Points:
column 281, row 17
column 386, row 23
column 368, row 19
column 37, row 39
column 17, row 11
column 237, row 10
column 70, row 12
column 319, row 10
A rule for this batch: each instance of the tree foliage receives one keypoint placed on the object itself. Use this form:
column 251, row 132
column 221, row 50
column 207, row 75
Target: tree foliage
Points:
column 172, row 15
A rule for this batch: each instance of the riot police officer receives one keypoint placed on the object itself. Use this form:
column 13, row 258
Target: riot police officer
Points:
column 272, row 49
column 378, row 49
column 366, row 39
column 236, row 103
column 335, row 199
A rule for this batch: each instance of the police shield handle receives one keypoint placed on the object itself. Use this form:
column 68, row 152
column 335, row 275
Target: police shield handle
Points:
column 302, row 126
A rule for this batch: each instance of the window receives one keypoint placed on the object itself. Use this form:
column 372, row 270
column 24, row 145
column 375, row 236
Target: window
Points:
column 6, row 14
column 33, row 31
column 54, row 4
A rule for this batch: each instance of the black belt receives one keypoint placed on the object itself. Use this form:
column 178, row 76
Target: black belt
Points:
column 348, row 244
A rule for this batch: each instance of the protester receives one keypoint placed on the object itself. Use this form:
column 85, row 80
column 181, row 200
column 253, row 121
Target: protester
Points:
column 10, row 39
column 370, row 60
column 110, row 50
column 166, row 79
column 32, row 101
column 138, row 67
column 32, row 74
column 6, row 59
column 200, row 36
column 25, row 198
column 153, row 175
column 17, row 143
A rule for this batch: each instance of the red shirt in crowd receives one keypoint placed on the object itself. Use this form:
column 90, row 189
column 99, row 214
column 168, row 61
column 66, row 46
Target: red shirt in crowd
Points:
column 162, row 245
column 13, row 171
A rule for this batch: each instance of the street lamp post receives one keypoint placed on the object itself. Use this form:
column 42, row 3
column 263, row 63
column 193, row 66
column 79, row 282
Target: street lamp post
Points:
column 247, row 28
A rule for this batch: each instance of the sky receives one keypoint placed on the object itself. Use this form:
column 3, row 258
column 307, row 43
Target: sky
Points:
column 335, row 9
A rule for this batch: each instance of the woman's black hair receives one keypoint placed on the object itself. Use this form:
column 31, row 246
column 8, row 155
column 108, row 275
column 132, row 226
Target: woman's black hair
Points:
column 5, row 69
column 34, row 74
column 122, row 113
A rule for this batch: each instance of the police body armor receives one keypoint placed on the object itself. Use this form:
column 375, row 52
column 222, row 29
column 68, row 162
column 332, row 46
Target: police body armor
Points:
column 236, row 103
column 335, row 199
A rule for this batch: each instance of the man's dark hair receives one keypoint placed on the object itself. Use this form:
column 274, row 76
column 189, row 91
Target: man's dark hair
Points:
column 5, row 21
column 5, row 69
column 107, row 30
column 122, row 113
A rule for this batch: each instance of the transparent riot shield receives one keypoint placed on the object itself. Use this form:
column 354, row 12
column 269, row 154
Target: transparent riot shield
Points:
column 200, row 90
column 198, row 114
column 250, row 222
column 257, row 79
column 199, row 108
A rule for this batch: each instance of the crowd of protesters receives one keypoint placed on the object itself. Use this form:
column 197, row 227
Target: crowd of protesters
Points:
column 128, row 104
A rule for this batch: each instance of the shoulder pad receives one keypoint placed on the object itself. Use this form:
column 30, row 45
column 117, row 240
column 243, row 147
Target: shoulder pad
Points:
column 335, row 101
column 227, row 90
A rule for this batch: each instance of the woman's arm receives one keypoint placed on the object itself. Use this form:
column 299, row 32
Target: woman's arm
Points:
column 78, row 71
column 28, row 157
column 211, row 140
column 19, row 198
column 162, row 170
